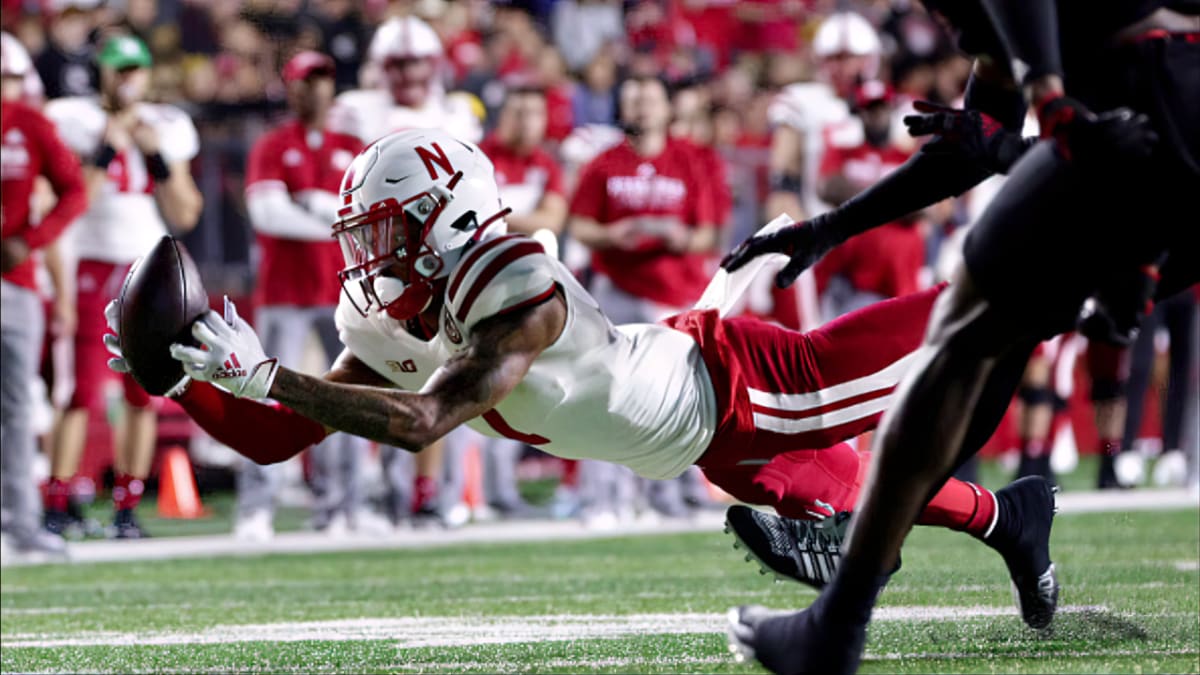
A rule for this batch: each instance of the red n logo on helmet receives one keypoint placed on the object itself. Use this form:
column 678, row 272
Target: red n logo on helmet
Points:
column 430, row 159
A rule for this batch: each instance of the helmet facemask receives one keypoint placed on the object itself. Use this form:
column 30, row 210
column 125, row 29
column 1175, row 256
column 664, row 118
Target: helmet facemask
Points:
column 388, row 256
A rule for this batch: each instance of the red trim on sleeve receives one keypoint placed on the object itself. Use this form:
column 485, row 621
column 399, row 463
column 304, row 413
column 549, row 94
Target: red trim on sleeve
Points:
column 264, row 433
column 471, row 258
column 493, row 268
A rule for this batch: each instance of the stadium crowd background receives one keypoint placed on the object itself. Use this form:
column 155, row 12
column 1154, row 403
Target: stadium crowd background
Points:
column 726, row 62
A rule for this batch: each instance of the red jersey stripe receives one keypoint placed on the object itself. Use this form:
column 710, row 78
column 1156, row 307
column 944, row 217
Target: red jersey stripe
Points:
column 500, row 425
column 471, row 258
column 493, row 268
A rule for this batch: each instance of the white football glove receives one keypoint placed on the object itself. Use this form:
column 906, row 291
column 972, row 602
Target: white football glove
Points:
column 112, row 341
column 230, row 355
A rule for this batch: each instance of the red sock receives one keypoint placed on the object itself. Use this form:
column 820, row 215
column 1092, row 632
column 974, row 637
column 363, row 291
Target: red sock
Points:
column 961, row 506
column 127, row 492
column 1109, row 446
column 570, row 475
column 424, row 491
column 58, row 494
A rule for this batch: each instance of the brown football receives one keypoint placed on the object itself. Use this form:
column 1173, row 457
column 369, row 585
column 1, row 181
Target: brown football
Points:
column 161, row 297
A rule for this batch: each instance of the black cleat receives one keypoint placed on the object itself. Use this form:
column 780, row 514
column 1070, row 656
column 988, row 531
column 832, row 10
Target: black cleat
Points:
column 428, row 516
column 1022, row 536
column 806, row 551
column 792, row 643
column 56, row 522
column 126, row 526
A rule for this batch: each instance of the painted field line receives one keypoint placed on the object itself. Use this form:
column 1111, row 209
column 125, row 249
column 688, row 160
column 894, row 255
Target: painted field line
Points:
column 169, row 548
column 414, row 632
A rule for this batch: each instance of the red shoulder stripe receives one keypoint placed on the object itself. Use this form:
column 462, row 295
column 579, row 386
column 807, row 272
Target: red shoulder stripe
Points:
column 471, row 258
column 493, row 268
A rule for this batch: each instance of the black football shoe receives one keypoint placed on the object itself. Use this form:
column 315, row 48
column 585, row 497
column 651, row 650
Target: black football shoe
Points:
column 126, row 526
column 1022, row 536
column 796, row 643
column 806, row 551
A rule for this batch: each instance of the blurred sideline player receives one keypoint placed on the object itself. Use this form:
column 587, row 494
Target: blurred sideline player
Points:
column 1113, row 85
column 403, row 89
column 292, row 180
column 530, row 183
column 30, row 148
column 646, row 209
column 885, row 262
column 136, row 157
column 848, row 51
column 448, row 320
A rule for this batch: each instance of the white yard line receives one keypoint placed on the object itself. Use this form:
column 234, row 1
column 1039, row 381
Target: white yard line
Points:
column 512, row 532
column 435, row 631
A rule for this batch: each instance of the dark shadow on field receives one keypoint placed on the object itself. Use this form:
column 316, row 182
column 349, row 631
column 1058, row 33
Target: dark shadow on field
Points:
column 1088, row 628
column 1093, row 625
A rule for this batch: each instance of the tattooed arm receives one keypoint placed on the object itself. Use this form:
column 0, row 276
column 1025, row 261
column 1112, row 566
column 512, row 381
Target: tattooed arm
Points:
column 500, row 353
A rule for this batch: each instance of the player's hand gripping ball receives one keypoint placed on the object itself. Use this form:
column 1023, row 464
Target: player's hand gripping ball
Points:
column 161, row 297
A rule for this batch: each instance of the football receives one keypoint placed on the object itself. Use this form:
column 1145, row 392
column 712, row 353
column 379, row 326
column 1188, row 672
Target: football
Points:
column 161, row 297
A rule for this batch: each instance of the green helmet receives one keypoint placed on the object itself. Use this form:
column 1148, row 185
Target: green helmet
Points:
column 124, row 51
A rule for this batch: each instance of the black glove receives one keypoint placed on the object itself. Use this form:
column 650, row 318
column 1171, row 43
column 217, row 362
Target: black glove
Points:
column 1082, row 135
column 805, row 242
column 972, row 133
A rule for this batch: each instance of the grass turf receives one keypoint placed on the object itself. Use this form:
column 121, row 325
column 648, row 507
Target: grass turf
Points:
column 1130, row 580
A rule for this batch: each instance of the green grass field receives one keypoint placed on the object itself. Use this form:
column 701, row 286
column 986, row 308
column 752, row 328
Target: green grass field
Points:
column 635, row 604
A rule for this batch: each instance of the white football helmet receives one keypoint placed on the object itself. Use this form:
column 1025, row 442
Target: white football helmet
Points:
column 404, row 38
column 412, row 203
column 848, row 51
column 15, row 62
column 846, row 33
column 14, row 59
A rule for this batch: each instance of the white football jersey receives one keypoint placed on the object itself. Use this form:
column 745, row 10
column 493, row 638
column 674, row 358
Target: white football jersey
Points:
column 809, row 107
column 638, row 395
column 370, row 114
column 123, row 222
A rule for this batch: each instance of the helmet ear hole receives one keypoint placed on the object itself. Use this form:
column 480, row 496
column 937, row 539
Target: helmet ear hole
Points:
column 466, row 222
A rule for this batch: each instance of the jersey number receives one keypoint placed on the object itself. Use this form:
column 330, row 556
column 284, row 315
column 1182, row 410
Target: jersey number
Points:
column 501, row 426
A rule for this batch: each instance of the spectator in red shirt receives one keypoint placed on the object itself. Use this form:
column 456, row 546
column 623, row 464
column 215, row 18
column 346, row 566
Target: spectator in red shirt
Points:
column 887, row 261
column 645, row 210
column 531, row 184
column 640, row 207
column 530, row 179
column 292, row 183
column 31, row 148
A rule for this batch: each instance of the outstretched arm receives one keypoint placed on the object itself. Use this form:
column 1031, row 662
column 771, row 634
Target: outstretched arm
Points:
column 501, row 350
column 946, row 167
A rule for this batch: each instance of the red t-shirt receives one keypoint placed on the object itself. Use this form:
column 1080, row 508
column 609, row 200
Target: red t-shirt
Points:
column 888, row 259
column 523, row 179
column 620, row 184
column 292, row 271
column 560, row 115
column 712, row 168
column 31, row 148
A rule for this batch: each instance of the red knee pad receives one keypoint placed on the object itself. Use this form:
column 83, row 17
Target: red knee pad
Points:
column 814, row 483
